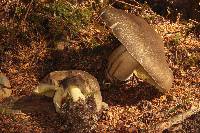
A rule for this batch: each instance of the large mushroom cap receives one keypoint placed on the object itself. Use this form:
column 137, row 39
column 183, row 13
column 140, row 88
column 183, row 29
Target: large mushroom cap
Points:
column 142, row 42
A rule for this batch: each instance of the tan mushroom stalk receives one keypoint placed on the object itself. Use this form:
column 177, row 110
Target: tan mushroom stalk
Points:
column 70, row 85
column 141, row 52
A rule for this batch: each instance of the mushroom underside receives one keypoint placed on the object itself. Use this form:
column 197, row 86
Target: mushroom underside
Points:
column 122, row 65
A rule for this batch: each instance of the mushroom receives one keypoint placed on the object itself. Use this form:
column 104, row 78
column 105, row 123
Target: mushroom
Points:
column 76, row 97
column 4, row 85
column 141, row 52
column 72, row 85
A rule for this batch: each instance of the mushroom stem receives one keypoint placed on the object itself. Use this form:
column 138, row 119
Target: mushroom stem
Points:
column 121, row 64
column 75, row 93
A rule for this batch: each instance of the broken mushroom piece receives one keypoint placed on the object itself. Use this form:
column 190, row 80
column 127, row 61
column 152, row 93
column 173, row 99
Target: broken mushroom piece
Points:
column 72, row 85
column 141, row 52
column 76, row 96
column 4, row 87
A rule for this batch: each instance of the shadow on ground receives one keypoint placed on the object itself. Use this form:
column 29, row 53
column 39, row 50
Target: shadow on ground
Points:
column 41, row 110
column 129, row 95
column 35, row 104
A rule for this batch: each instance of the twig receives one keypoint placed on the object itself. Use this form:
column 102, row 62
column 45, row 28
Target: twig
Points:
column 177, row 119
column 138, row 4
column 29, row 6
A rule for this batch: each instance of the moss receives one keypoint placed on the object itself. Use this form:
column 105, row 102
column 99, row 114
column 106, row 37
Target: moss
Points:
column 173, row 110
column 51, row 20
column 19, row 10
column 71, row 15
column 193, row 59
column 81, row 17
column 176, row 39
column 59, row 8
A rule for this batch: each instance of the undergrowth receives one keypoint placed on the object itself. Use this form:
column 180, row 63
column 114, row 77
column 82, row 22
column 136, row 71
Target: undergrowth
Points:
column 30, row 20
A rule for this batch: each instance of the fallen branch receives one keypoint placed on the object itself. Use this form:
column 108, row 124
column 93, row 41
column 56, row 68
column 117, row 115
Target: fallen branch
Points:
column 177, row 119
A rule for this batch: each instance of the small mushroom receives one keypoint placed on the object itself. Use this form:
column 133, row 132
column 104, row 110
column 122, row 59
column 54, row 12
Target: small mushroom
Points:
column 72, row 85
column 4, row 85
column 141, row 52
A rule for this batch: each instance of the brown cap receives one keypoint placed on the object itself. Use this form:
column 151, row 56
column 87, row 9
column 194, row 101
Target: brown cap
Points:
column 142, row 42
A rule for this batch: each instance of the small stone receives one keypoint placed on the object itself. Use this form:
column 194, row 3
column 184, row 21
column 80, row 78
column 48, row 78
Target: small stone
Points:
column 4, row 82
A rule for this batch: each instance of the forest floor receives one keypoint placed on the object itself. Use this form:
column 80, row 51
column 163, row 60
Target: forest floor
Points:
column 28, row 53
